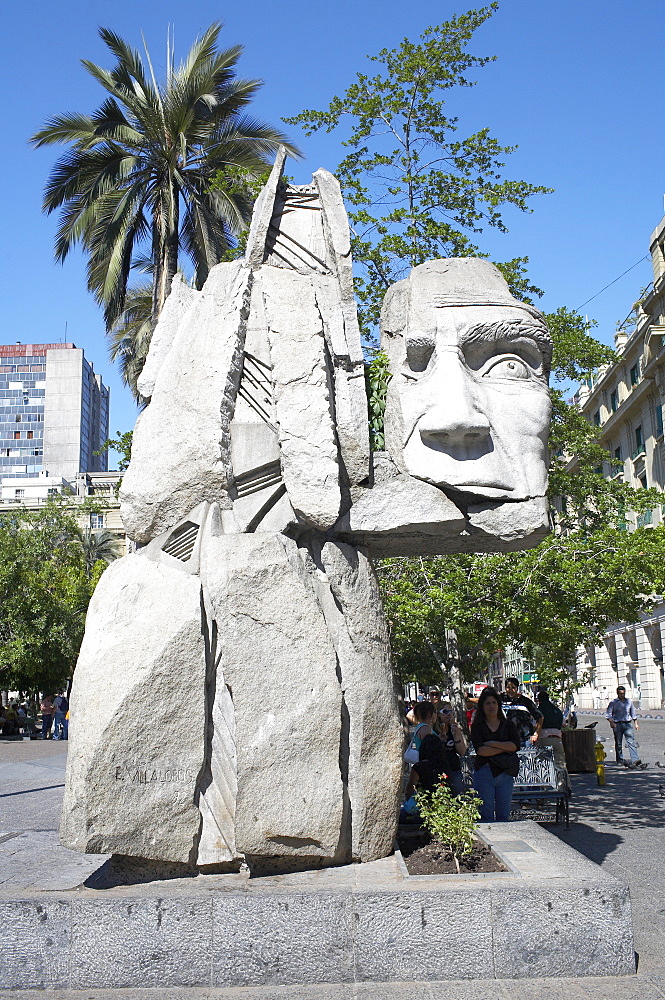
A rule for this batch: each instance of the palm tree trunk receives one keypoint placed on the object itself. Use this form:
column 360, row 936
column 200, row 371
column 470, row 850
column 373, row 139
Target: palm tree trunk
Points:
column 165, row 250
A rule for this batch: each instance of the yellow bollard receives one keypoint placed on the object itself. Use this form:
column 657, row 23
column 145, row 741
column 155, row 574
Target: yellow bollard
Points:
column 600, row 766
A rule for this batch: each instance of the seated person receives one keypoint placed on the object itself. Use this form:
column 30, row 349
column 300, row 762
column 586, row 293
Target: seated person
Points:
column 549, row 734
column 10, row 726
column 437, row 762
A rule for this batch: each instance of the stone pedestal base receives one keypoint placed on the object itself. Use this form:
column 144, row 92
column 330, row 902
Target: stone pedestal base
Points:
column 553, row 914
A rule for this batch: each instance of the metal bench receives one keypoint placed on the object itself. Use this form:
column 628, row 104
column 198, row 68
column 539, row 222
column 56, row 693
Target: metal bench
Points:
column 539, row 780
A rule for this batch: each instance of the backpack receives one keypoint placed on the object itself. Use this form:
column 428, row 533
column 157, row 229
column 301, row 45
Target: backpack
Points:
column 520, row 715
column 412, row 752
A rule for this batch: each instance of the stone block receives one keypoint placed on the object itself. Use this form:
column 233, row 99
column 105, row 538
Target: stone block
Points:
column 567, row 930
column 348, row 378
column 507, row 527
column 403, row 516
column 303, row 403
column 147, row 941
column 375, row 735
column 181, row 447
column 34, row 944
column 397, row 935
column 467, row 407
column 263, row 212
column 127, row 792
column 276, row 657
column 181, row 297
column 289, row 938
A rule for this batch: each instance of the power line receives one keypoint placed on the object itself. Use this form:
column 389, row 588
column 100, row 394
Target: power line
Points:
column 646, row 257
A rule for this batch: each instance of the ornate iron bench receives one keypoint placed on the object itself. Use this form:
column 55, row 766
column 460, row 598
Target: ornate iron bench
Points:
column 539, row 780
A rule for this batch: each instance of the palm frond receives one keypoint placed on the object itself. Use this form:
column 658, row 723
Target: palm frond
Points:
column 147, row 158
column 65, row 128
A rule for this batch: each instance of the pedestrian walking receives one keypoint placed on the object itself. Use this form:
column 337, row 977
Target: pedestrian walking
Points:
column 620, row 714
column 60, row 710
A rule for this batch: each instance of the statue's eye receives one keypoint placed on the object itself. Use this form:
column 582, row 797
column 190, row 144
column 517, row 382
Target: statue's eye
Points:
column 508, row 368
column 418, row 353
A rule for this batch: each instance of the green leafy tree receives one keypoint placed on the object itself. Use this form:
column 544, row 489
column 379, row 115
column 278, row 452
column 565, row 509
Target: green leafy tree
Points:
column 122, row 444
column 377, row 379
column 44, row 596
column 415, row 187
column 140, row 170
column 130, row 337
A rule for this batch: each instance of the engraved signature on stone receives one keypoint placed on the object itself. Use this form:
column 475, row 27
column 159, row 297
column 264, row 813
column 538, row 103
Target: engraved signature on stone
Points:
column 146, row 776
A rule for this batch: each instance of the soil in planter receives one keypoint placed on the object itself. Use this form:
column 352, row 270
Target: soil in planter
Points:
column 425, row 856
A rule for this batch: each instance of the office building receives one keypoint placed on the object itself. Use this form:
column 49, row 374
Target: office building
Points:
column 53, row 412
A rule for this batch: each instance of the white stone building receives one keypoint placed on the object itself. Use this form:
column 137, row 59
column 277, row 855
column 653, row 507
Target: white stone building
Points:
column 101, row 487
column 626, row 401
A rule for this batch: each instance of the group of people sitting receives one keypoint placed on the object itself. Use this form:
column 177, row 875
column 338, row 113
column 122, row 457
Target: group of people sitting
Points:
column 501, row 725
column 16, row 719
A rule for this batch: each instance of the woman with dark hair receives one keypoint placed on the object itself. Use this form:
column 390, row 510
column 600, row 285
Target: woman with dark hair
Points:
column 496, row 741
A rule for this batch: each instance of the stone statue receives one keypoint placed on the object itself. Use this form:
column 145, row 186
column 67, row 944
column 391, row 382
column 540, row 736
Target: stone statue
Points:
column 234, row 698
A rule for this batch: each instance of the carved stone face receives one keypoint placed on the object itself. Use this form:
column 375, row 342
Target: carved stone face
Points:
column 468, row 406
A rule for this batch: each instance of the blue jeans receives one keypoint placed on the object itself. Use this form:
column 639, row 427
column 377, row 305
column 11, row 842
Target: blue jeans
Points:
column 496, row 794
column 621, row 730
column 60, row 722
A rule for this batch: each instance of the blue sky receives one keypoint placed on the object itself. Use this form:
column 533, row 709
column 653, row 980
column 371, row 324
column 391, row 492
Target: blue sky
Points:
column 576, row 85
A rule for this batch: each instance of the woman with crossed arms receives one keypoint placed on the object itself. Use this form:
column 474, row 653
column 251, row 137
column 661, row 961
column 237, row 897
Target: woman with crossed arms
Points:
column 496, row 741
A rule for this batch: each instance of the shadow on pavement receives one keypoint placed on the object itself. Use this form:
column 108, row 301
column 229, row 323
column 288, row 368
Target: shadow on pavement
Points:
column 594, row 845
column 631, row 799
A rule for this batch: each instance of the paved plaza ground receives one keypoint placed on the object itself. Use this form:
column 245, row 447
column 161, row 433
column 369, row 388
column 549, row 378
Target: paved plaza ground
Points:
column 620, row 827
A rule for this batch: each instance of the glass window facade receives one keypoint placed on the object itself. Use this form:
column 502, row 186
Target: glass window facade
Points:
column 22, row 379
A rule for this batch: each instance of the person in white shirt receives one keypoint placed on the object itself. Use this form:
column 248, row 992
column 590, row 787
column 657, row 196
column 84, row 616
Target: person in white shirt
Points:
column 620, row 714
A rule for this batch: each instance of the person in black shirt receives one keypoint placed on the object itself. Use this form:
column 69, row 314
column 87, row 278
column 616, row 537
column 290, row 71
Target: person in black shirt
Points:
column 496, row 741
column 454, row 744
column 522, row 711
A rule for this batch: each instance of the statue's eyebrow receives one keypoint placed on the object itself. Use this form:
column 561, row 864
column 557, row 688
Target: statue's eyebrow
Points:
column 510, row 329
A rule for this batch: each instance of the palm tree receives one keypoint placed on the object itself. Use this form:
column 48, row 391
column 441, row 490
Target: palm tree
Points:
column 131, row 335
column 98, row 544
column 142, row 168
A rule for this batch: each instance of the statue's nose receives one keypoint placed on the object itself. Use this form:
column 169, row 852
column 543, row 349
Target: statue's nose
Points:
column 455, row 416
